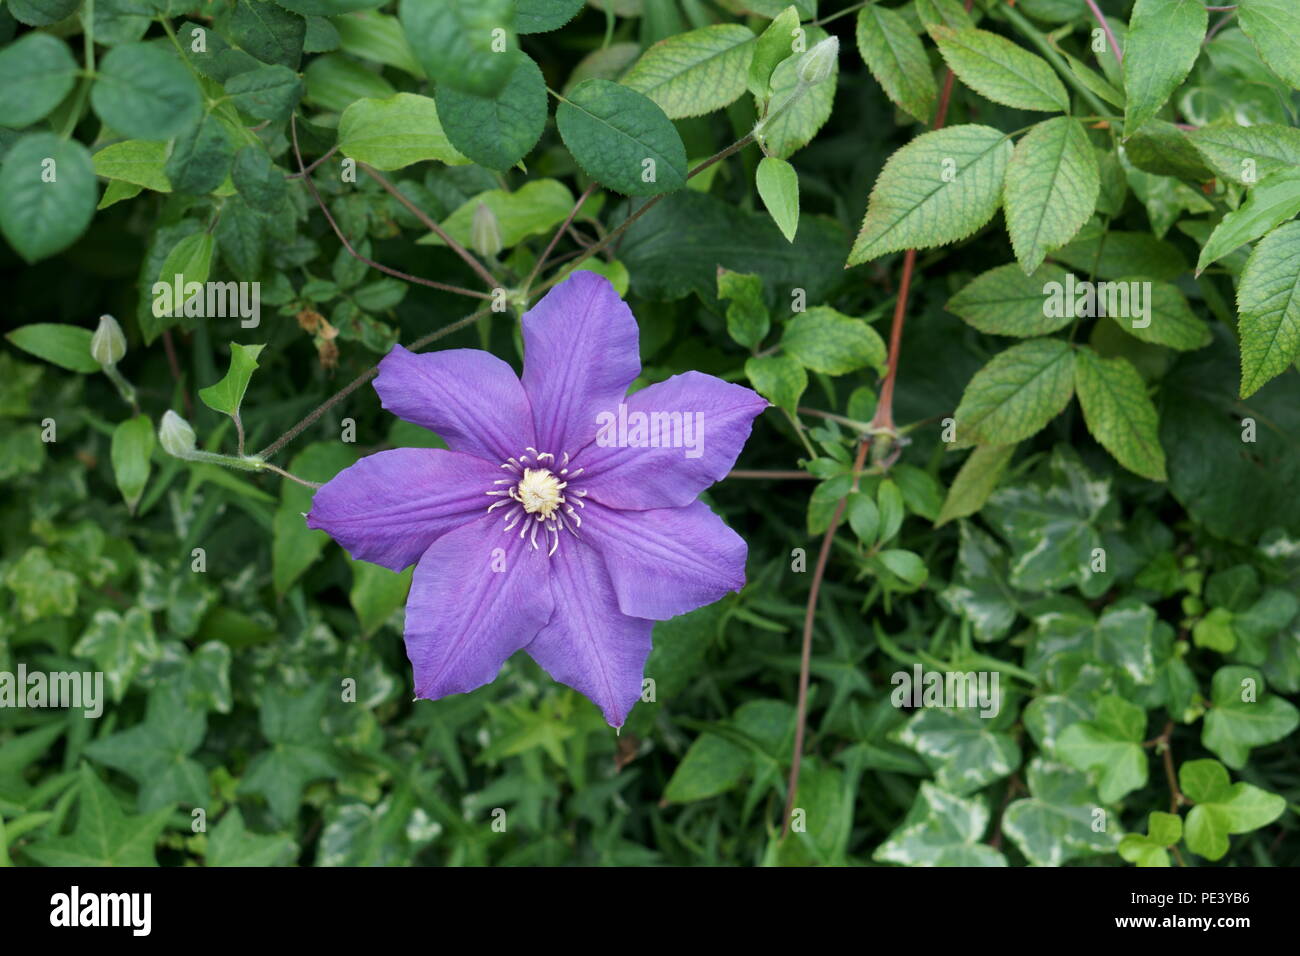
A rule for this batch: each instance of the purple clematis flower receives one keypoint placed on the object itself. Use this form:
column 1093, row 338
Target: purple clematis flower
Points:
column 550, row 525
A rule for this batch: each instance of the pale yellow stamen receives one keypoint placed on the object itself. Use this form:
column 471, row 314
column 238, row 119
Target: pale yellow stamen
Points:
column 539, row 492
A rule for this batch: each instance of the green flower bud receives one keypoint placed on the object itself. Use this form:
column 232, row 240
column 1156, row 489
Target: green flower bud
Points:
column 108, row 344
column 817, row 63
column 175, row 435
column 485, row 232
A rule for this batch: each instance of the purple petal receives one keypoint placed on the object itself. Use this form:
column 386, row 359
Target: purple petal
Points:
column 707, row 424
column 389, row 507
column 590, row 644
column 469, row 397
column 478, row 595
column 581, row 352
column 667, row 561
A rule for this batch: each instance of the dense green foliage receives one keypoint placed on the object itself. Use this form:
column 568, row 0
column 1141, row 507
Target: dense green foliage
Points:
column 1127, row 565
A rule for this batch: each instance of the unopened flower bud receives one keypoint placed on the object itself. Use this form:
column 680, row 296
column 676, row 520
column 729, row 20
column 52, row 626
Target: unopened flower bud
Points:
column 485, row 232
column 175, row 435
column 108, row 344
column 817, row 63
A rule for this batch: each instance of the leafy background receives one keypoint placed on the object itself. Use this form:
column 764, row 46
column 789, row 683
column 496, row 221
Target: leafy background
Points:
column 970, row 535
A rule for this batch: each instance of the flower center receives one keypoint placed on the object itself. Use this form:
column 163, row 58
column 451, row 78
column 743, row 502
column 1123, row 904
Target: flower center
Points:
column 539, row 492
column 535, row 499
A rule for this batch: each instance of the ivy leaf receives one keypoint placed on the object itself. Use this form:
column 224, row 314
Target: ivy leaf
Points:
column 395, row 132
column 67, row 346
column 1163, row 831
column 1051, row 189
column 41, row 589
column 1243, row 716
column 269, row 32
column 1222, row 807
column 156, row 752
column 1006, row 301
column 1119, row 413
column 778, row 187
column 1016, row 394
column 104, row 836
column 130, row 452
column 228, row 394
column 1055, row 824
column 980, row 591
column 975, row 481
column 120, row 645
column 300, row 749
column 828, row 341
column 497, row 131
column 695, row 72
column 1109, row 745
column 1274, row 27
column 36, row 73
column 747, row 318
column 622, row 139
column 779, row 379
column 231, row 844
column 1164, row 40
column 959, row 747
column 47, row 194
column 712, row 765
column 940, row 829
column 1000, row 70
column 895, row 57
column 1268, row 298
column 145, row 92
column 1270, row 203
column 937, row 189
column 458, row 42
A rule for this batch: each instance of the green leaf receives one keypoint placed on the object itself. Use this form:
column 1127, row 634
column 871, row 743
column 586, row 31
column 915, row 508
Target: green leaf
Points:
column 300, row 749
column 534, row 209
column 1119, row 413
column 1274, row 27
column 1016, row 394
column 201, row 157
column 1000, row 70
column 47, row 194
column 138, row 161
column 950, row 13
column 937, row 189
column 1051, row 189
column 294, row 546
column 1164, row 40
column 497, row 131
column 132, row 445
column 156, row 752
column 980, row 591
column 144, row 92
column 828, row 341
column 376, row 593
column 395, row 132
column 975, row 481
column 1246, row 154
column 695, row 72
column 120, row 646
column 67, row 346
column 779, row 379
column 773, row 45
column 1268, row 298
column 747, row 318
column 462, row 43
column 1006, row 301
column 41, row 590
column 104, row 836
column 268, row 31
column 36, row 73
column 377, row 37
column 940, row 829
column 712, row 765
column 959, row 747
column 42, row 13
column 1222, row 807
column 1056, row 823
column 795, row 111
column 259, row 181
column 191, row 259
column 228, row 394
column 231, row 844
column 1163, row 830
column 1109, row 745
column 1243, row 716
column 778, row 187
column 895, row 57
column 335, row 82
column 622, row 139
column 1170, row 321
column 1269, row 204
column 907, row 566
column 1112, row 254
column 266, row 93
column 542, row 16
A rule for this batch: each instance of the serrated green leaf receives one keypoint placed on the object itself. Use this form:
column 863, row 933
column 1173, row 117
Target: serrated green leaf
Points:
column 779, row 379
column 268, row 31
column 897, row 60
column 1274, row 27
column 1119, row 413
column 201, row 157
column 747, row 317
column 542, row 16
column 622, row 139
column 266, row 93
column 497, row 131
column 1000, row 70
column 1269, row 204
column 1169, row 321
column 711, row 766
column 795, row 111
column 462, row 43
column 1051, row 189
column 828, row 341
column 1006, row 301
column 1016, row 394
column 695, row 72
column 1164, row 40
column 1247, row 154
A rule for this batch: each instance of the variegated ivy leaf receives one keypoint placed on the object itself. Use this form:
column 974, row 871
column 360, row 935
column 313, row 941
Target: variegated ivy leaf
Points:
column 1109, row 747
column 1058, row 821
column 961, row 746
column 980, row 591
column 941, row 830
